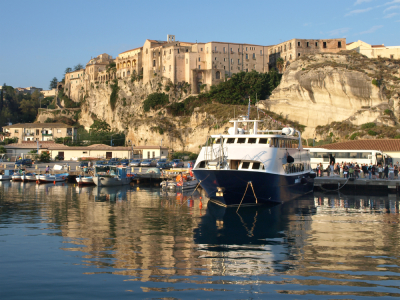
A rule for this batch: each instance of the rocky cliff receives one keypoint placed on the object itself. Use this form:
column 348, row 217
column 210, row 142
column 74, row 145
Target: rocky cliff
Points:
column 319, row 89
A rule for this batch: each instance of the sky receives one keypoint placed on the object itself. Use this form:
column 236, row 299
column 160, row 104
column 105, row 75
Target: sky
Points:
column 41, row 38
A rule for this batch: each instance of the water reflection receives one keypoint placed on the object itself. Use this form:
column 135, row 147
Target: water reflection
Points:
column 320, row 245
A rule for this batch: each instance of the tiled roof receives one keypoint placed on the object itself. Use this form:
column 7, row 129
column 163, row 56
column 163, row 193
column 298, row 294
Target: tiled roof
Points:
column 378, row 46
column 132, row 50
column 39, row 125
column 382, row 145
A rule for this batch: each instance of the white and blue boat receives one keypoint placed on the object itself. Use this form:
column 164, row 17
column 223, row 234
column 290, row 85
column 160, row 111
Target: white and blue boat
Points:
column 252, row 166
column 110, row 175
column 46, row 178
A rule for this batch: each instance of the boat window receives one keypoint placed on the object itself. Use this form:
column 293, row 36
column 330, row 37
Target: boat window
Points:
column 256, row 166
column 230, row 140
column 245, row 164
column 275, row 143
column 218, row 141
column 202, row 164
column 262, row 167
column 252, row 140
column 263, row 141
column 294, row 168
column 241, row 140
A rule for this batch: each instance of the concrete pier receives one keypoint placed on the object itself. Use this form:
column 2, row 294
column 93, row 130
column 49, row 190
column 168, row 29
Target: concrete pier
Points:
column 335, row 182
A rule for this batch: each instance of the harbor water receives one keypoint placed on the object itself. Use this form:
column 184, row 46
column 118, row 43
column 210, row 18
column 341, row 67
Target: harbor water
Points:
column 61, row 241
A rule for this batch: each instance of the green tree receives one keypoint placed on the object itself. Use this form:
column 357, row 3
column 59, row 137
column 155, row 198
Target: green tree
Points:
column 78, row 67
column 68, row 70
column 155, row 100
column 100, row 126
column 2, row 150
column 53, row 83
column 44, row 156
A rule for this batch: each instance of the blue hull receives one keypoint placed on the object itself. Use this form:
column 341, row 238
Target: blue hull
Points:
column 267, row 187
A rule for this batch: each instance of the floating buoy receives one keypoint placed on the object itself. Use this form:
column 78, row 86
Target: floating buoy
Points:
column 37, row 181
column 201, row 205
column 54, row 182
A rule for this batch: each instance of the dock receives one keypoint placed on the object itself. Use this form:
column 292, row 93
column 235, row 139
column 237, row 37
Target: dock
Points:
column 334, row 183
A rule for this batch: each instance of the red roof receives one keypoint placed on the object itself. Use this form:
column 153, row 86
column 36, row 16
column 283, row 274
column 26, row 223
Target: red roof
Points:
column 382, row 145
column 378, row 46
column 132, row 50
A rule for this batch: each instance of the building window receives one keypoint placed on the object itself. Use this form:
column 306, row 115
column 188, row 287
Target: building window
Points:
column 339, row 44
column 187, row 61
column 199, row 67
column 164, row 52
column 247, row 56
column 154, row 154
column 260, row 52
column 231, row 60
column 154, row 54
column 58, row 130
column 169, row 51
column 316, row 44
column 298, row 54
column 16, row 131
column 178, row 51
column 170, row 68
column 238, row 61
column 231, row 50
column 324, row 45
column 199, row 58
column 224, row 50
column 224, row 67
column 164, row 69
column 308, row 44
column 215, row 48
column 290, row 57
column 224, row 59
column 215, row 58
column 298, row 44
column 254, row 56
column 147, row 51
column 391, row 56
column 154, row 62
column 246, row 48
column 218, row 75
column 290, row 45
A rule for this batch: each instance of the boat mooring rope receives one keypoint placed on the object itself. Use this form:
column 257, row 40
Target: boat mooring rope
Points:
column 251, row 184
column 199, row 184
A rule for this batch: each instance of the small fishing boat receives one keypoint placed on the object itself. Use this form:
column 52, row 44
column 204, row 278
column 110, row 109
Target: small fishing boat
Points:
column 46, row 178
column 110, row 175
column 84, row 180
column 28, row 176
column 184, row 182
column 17, row 176
column 6, row 175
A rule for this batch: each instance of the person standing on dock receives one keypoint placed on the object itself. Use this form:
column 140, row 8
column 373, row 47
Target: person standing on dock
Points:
column 386, row 172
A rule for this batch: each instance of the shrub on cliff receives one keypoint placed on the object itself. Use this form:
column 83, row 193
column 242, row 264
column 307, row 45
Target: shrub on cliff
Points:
column 154, row 101
column 114, row 94
column 368, row 125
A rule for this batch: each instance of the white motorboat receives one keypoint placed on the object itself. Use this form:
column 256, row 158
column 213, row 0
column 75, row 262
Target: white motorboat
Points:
column 45, row 178
column 186, row 184
column 17, row 176
column 253, row 166
column 110, row 175
column 28, row 176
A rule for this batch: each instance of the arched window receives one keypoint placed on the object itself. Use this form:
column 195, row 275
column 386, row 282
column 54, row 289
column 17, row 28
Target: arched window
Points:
column 218, row 75
column 128, row 73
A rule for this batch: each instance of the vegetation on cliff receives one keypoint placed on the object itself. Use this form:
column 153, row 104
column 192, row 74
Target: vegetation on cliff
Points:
column 18, row 107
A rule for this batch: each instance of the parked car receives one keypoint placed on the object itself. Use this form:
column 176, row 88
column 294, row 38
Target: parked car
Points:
column 148, row 163
column 177, row 163
column 161, row 161
column 100, row 162
column 134, row 162
column 124, row 162
column 24, row 162
column 113, row 162
column 164, row 164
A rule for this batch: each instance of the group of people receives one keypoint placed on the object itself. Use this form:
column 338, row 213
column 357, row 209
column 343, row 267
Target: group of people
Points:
column 353, row 170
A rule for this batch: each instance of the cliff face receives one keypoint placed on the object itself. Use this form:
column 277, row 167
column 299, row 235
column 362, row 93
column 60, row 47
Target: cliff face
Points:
column 324, row 88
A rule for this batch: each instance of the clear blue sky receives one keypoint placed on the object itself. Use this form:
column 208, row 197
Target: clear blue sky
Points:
column 40, row 39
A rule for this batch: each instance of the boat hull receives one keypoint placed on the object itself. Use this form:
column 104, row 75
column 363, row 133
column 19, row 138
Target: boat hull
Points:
column 228, row 187
column 84, row 180
column 110, row 181
column 52, row 178
column 5, row 177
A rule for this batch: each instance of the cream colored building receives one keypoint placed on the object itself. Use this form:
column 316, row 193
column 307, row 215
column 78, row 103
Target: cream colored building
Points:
column 375, row 51
column 40, row 131
column 295, row 48
column 49, row 93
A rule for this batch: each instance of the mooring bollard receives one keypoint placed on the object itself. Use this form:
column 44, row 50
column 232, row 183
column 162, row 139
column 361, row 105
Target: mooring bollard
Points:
column 140, row 170
column 36, row 167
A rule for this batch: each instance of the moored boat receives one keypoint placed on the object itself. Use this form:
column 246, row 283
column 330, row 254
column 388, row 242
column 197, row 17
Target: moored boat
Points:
column 84, row 180
column 46, row 178
column 6, row 175
column 110, row 175
column 28, row 176
column 252, row 166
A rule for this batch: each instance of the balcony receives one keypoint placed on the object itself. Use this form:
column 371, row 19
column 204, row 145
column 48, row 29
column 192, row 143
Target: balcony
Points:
column 29, row 134
column 47, row 134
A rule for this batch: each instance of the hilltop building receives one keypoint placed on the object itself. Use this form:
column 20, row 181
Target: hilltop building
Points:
column 295, row 48
column 199, row 64
column 375, row 51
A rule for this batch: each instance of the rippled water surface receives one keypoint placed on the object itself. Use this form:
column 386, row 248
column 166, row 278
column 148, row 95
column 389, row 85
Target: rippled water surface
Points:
column 63, row 242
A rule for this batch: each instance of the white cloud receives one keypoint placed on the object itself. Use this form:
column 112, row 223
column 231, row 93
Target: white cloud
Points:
column 358, row 11
column 392, row 2
column 390, row 15
column 372, row 29
column 361, row 1
column 391, row 8
column 338, row 32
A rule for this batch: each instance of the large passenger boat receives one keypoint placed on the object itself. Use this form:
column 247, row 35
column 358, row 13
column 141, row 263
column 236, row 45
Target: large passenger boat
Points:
column 252, row 166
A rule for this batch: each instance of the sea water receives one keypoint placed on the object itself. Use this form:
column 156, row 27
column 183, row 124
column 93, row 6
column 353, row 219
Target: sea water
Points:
column 60, row 241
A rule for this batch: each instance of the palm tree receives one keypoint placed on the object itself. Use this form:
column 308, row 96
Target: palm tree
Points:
column 279, row 64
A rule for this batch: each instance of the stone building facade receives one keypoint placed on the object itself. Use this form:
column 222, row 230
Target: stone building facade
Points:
column 40, row 131
column 295, row 48
column 375, row 51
